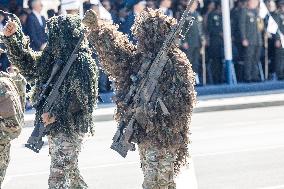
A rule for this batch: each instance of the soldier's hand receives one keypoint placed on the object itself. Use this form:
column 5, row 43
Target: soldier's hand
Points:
column 245, row 43
column 47, row 119
column 90, row 19
column 10, row 28
column 278, row 44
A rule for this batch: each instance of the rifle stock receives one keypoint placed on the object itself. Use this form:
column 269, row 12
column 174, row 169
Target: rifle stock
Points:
column 35, row 141
column 122, row 140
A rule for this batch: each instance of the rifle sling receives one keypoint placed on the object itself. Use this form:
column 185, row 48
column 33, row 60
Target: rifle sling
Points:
column 55, row 91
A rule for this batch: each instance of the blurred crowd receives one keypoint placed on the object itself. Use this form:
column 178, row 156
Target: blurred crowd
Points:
column 254, row 49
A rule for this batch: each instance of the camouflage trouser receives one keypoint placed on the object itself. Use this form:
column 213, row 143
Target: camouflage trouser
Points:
column 64, row 173
column 4, row 159
column 158, row 168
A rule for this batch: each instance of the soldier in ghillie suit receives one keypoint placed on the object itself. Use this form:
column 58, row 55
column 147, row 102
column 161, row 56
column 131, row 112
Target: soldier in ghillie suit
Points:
column 71, row 117
column 162, row 137
column 11, row 119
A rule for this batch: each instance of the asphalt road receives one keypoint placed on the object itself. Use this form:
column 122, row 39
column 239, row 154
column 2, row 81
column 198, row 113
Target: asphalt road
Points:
column 240, row 149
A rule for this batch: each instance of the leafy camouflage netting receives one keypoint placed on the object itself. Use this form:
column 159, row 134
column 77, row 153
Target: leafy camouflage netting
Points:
column 122, row 60
column 78, row 93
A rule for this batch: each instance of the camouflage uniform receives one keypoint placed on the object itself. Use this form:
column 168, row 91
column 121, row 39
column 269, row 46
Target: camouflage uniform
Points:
column 64, row 152
column 162, row 139
column 73, row 109
column 158, row 168
column 11, row 119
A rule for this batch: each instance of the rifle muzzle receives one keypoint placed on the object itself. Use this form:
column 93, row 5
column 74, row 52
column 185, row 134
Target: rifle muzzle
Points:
column 35, row 144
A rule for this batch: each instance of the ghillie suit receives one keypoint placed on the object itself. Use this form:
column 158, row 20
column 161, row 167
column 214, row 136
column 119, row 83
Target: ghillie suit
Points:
column 78, row 93
column 11, row 119
column 162, row 139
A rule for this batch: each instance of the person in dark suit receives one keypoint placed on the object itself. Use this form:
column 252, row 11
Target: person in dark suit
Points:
column 279, row 50
column 194, row 39
column 138, row 7
column 251, row 27
column 36, row 26
column 4, row 62
column 215, row 53
column 165, row 6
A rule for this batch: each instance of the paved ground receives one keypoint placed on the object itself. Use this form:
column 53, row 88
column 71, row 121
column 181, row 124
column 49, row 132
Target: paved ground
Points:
column 240, row 149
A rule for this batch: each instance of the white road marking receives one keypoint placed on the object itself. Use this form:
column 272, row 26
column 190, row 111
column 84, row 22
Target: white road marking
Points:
column 185, row 179
column 136, row 162
column 238, row 151
column 273, row 187
column 83, row 168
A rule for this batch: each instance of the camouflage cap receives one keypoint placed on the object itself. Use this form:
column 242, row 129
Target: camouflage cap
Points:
column 64, row 33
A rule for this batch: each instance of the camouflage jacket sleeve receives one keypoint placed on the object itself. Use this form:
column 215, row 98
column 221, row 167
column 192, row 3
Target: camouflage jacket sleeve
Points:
column 11, row 114
column 113, row 48
column 21, row 55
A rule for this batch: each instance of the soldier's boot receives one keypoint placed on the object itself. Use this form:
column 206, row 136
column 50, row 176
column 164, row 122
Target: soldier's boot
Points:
column 76, row 180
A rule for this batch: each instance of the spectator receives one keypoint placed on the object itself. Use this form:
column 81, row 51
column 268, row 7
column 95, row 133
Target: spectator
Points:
column 122, row 15
column 4, row 62
column 59, row 10
column 279, row 51
column 23, row 19
column 165, row 6
column 36, row 26
column 71, row 7
column 215, row 31
column 137, row 9
column 180, row 7
column 272, row 8
column 51, row 13
column 194, row 39
column 236, row 38
column 209, row 8
column 151, row 4
column 106, row 4
column 109, row 7
column 102, row 12
column 2, row 19
column 251, row 27
column 119, row 4
column 235, row 14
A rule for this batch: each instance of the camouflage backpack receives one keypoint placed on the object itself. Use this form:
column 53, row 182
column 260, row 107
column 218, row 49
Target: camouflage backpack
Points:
column 11, row 107
column 21, row 84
